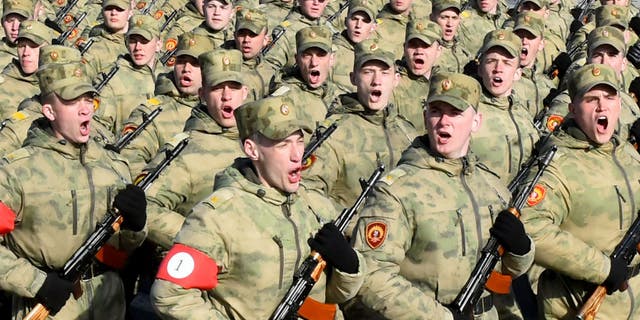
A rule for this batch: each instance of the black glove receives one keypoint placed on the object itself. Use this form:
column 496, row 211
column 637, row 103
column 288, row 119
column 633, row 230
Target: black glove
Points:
column 335, row 249
column 633, row 55
column 634, row 24
column 471, row 68
column 575, row 26
column 560, row 66
column 634, row 134
column 54, row 292
column 617, row 276
column 509, row 231
column 133, row 207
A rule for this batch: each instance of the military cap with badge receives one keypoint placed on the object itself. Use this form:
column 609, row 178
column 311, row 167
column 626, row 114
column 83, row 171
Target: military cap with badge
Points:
column 423, row 29
column 502, row 38
column 314, row 37
column 370, row 50
column 252, row 19
column 456, row 89
column 273, row 117
column 221, row 65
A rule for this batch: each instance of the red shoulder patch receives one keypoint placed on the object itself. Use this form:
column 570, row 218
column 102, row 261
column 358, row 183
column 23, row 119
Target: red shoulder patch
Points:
column 309, row 162
column 7, row 219
column 554, row 121
column 536, row 195
column 189, row 268
column 376, row 233
column 129, row 128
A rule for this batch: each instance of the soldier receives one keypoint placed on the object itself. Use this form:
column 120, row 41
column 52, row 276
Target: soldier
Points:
column 61, row 168
column 419, row 236
column 484, row 16
column 534, row 83
column 507, row 138
column 360, row 24
column 256, row 221
column 554, row 30
column 454, row 56
column 392, row 24
column 109, row 37
column 189, row 17
column 309, row 84
column 14, row 12
column 370, row 130
column 177, row 93
column 421, row 50
column 217, row 23
column 307, row 13
column 19, row 77
column 575, row 220
column 134, row 82
column 213, row 139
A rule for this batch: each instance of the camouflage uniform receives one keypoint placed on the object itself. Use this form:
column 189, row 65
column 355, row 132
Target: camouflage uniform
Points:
column 474, row 25
column 75, row 203
column 132, row 84
column 507, row 136
column 391, row 30
column 422, row 229
column 176, row 109
column 17, row 85
column 278, row 10
column 454, row 56
column 576, row 219
column 225, row 227
column 8, row 48
column 188, row 18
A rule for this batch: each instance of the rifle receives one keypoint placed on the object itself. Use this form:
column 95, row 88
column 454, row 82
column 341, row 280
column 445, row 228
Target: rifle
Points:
column 492, row 251
column 60, row 15
column 337, row 14
column 148, row 7
column 63, row 36
column 82, row 259
column 626, row 248
column 319, row 137
column 167, row 55
column 311, row 268
column 276, row 34
column 129, row 136
column 169, row 19
column 85, row 47
column 107, row 78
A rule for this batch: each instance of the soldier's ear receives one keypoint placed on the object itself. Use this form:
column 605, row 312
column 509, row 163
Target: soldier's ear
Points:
column 518, row 74
column 477, row 122
column 332, row 59
column 250, row 149
column 47, row 111
column 245, row 92
column 352, row 77
column 572, row 108
column 158, row 45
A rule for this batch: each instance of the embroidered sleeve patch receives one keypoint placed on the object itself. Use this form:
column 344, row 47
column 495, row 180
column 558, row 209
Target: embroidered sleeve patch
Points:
column 376, row 233
column 554, row 121
column 189, row 268
column 536, row 195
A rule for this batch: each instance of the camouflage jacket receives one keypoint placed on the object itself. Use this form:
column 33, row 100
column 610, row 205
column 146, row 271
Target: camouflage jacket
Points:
column 188, row 19
column 219, row 37
column 54, row 219
column 7, row 52
column 433, row 217
column 577, row 218
column 343, row 62
column 532, row 88
column 176, row 109
column 258, row 237
column 187, row 181
column 16, row 87
column 410, row 96
column 454, row 56
column 474, row 25
column 317, row 102
column 105, row 49
column 363, row 138
column 507, row 135
column 391, row 29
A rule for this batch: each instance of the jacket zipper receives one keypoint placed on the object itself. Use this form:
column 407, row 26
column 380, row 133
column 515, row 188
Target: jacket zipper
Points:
column 92, row 189
column 515, row 124
column 287, row 214
column 387, row 138
column 506, row 137
column 476, row 211
column 620, row 201
column 626, row 180
column 277, row 240
column 74, row 197
column 462, row 236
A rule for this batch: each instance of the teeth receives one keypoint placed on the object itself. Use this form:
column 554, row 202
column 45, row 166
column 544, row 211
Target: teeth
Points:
column 602, row 118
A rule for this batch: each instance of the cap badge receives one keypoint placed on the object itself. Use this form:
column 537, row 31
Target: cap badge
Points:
column 192, row 42
column 226, row 61
column 312, row 35
column 419, row 27
column 170, row 44
column 447, row 84
column 140, row 5
column 77, row 73
column 247, row 16
column 614, row 12
column 284, row 109
column 59, row 2
column 158, row 14
column 139, row 22
column 54, row 55
column 527, row 19
column 500, row 35
column 595, row 71
column 605, row 33
column 373, row 47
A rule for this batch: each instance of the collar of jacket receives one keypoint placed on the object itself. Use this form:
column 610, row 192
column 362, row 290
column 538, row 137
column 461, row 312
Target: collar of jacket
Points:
column 13, row 70
column 245, row 175
column 41, row 135
column 571, row 136
column 350, row 104
column 403, row 70
column 503, row 103
column 388, row 13
column 420, row 155
column 201, row 121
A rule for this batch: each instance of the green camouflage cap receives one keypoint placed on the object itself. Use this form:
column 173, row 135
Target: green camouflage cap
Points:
column 35, row 31
column 252, row 19
column 612, row 15
column 423, row 29
column 274, row 117
column 456, row 89
column 122, row 4
column 539, row 3
column 531, row 22
column 606, row 35
column 502, row 38
column 20, row 7
column 193, row 44
column 591, row 75
column 144, row 25
column 314, row 37
column 67, row 80
column 369, row 50
column 438, row 6
column 367, row 6
column 221, row 65
column 58, row 54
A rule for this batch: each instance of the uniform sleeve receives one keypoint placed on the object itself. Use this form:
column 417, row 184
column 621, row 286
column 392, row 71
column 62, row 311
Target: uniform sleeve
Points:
column 383, row 236
column 279, row 55
column 325, row 171
column 17, row 275
column 556, row 248
column 145, row 146
column 516, row 265
column 343, row 286
column 172, row 301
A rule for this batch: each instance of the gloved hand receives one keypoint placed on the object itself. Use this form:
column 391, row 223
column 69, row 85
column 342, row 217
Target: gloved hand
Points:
column 335, row 249
column 617, row 276
column 54, row 292
column 133, row 206
column 471, row 68
column 560, row 66
column 575, row 26
column 634, row 134
column 633, row 55
column 509, row 232
column 634, row 24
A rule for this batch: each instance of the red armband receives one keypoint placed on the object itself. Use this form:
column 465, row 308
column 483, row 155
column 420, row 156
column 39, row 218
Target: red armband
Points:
column 7, row 219
column 189, row 268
